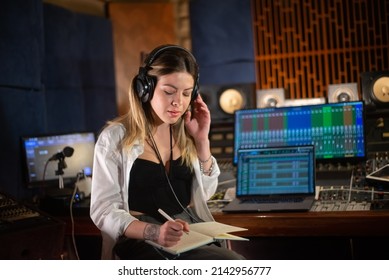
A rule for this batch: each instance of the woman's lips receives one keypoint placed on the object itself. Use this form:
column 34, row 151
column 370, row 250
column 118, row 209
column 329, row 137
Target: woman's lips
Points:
column 174, row 113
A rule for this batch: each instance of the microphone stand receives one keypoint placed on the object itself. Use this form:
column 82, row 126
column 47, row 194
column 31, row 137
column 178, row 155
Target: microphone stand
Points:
column 61, row 166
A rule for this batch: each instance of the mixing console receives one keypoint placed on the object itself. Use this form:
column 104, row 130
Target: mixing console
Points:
column 10, row 210
column 354, row 193
column 26, row 233
column 340, row 186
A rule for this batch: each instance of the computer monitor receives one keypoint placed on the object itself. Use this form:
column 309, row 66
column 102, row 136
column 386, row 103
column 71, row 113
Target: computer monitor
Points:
column 335, row 129
column 44, row 156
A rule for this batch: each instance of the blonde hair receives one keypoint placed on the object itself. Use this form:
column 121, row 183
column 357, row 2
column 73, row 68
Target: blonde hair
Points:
column 139, row 119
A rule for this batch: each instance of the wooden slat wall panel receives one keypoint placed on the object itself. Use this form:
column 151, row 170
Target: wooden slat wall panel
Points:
column 305, row 45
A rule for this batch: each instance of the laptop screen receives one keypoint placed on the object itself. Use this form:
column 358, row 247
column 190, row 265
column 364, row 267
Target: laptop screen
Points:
column 38, row 150
column 276, row 171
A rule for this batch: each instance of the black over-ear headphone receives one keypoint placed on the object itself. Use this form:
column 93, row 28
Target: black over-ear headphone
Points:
column 145, row 84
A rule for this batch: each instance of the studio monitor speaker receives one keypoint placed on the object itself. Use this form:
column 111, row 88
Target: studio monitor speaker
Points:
column 304, row 101
column 267, row 98
column 224, row 100
column 375, row 89
column 343, row 92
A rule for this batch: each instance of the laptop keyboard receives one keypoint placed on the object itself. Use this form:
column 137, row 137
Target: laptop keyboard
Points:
column 272, row 200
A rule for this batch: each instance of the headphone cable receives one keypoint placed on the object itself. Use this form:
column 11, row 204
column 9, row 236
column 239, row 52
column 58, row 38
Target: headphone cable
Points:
column 155, row 148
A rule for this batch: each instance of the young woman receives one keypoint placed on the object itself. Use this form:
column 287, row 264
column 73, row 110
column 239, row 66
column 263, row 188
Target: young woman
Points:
column 157, row 156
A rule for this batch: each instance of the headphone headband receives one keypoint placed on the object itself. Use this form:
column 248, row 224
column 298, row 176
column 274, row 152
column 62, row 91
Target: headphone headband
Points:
column 145, row 84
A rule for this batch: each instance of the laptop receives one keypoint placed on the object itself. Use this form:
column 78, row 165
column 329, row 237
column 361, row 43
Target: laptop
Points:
column 274, row 179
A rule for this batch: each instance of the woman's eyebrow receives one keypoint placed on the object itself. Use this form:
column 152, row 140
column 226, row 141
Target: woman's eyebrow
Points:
column 170, row 85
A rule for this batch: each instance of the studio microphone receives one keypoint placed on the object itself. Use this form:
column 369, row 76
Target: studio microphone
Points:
column 66, row 152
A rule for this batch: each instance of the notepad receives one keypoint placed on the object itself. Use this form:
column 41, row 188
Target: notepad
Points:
column 202, row 234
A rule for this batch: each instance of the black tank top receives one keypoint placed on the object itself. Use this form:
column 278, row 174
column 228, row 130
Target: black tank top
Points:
column 149, row 189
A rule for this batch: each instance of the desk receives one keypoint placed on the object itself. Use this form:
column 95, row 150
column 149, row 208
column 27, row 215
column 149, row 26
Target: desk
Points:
column 307, row 235
column 312, row 235
column 350, row 223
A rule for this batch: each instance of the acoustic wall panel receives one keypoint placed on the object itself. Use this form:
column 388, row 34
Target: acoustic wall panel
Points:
column 97, row 72
column 222, row 41
column 97, row 61
column 22, row 113
column 21, row 44
column 63, row 48
column 306, row 45
column 79, row 68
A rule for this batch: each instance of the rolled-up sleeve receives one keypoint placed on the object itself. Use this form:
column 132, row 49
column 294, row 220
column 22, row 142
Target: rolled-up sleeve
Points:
column 203, row 188
column 109, row 206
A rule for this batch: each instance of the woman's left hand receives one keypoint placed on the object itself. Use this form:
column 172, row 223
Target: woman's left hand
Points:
column 198, row 121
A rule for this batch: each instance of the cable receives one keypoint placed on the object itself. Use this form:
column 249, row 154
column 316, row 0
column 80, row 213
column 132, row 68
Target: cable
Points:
column 61, row 186
column 155, row 148
column 71, row 215
column 183, row 208
column 44, row 171
column 42, row 186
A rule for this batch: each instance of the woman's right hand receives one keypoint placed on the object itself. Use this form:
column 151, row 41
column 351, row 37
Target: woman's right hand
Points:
column 171, row 232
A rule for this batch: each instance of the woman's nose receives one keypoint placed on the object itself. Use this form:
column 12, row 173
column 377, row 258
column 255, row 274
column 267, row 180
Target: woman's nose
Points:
column 177, row 100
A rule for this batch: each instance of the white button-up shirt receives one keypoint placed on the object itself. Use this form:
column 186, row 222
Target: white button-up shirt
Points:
column 112, row 164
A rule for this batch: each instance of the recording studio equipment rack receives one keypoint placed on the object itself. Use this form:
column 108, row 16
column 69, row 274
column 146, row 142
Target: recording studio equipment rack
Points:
column 352, row 192
column 339, row 186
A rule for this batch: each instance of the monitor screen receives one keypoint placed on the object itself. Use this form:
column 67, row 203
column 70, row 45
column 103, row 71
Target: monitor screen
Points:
column 335, row 129
column 44, row 157
column 272, row 171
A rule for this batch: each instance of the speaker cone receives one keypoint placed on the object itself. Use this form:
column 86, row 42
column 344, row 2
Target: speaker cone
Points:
column 267, row 98
column 342, row 92
column 381, row 89
column 375, row 90
column 231, row 100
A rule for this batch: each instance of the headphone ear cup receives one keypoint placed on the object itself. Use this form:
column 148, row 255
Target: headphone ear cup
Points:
column 144, row 86
column 195, row 91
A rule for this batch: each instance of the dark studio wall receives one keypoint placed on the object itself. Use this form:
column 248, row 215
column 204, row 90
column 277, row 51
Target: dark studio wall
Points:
column 22, row 98
column 56, row 76
column 222, row 40
column 57, row 72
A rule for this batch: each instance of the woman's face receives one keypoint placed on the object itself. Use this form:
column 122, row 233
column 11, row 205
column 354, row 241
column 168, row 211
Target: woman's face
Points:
column 172, row 96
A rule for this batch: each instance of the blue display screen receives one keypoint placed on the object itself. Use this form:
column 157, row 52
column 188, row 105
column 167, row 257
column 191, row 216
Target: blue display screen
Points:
column 336, row 129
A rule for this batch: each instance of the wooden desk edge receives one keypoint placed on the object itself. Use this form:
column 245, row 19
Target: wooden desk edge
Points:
column 350, row 223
